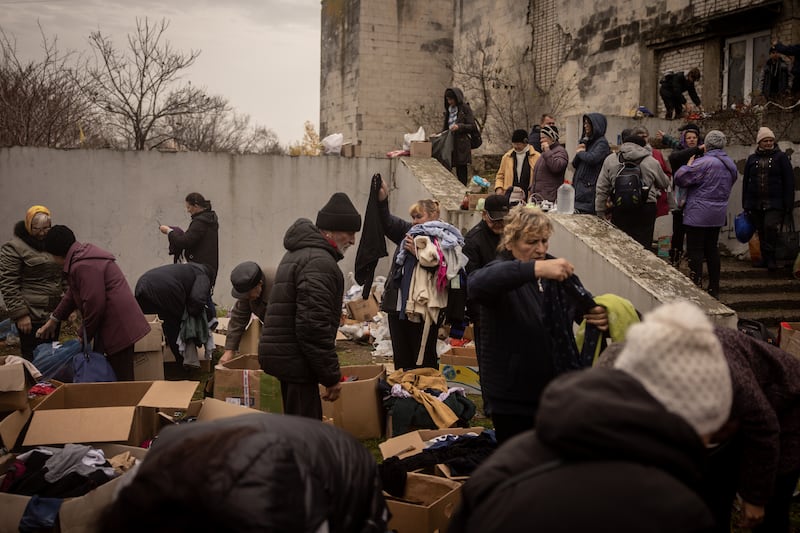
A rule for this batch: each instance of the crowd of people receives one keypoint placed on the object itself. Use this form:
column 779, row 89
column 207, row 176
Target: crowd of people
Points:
column 646, row 436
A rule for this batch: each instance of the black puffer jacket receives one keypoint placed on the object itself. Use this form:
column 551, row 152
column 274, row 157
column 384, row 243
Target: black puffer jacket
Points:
column 173, row 288
column 298, row 342
column 259, row 472
column 609, row 457
column 200, row 242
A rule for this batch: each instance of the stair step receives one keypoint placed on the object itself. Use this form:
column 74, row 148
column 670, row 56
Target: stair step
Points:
column 777, row 301
column 765, row 285
column 770, row 318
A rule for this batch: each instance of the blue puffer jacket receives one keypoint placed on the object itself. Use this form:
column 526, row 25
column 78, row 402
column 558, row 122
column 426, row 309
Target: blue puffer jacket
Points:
column 589, row 162
column 708, row 182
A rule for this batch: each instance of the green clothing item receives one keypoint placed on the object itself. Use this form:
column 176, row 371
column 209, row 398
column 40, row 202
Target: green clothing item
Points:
column 621, row 315
column 30, row 280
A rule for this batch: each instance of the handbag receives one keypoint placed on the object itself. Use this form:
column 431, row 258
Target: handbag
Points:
column 90, row 366
column 788, row 244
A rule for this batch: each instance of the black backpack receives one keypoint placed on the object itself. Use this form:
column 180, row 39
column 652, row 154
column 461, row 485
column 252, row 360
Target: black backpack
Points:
column 475, row 140
column 628, row 190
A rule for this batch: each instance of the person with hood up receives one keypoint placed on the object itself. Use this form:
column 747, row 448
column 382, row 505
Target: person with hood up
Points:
column 590, row 154
column 258, row 472
column 459, row 120
column 639, row 222
column 112, row 320
column 548, row 175
column 200, row 241
column 516, row 165
column 30, row 279
column 615, row 449
column 768, row 193
column 708, row 182
column 298, row 341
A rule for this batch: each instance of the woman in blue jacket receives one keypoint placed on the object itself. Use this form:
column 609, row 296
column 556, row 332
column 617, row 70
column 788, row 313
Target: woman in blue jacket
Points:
column 592, row 150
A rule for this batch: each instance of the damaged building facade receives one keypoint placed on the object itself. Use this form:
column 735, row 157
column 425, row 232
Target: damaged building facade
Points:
column 386, row 63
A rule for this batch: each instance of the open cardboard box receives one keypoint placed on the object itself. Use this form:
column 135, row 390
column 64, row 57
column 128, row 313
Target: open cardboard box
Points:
column 413, row 442
column 242, row 382
column 148, row 357
column 358, row 410
column 461, row 370
column 15, row 380
column 205, row 411
column 363, row 310
column 250, row 338
column 77, row 515
column 121, row 412
column 427, row 505
column 789, row 337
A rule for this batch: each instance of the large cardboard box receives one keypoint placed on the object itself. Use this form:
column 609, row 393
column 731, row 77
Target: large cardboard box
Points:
column 148, row 357
column 242, row 382
column 77, row 515
column 206, row 410
column 461, row 370
column 421, row 148
column 413, row 442
column 363, row 310
column 122, row 412
column 250, row 339
column 427, row 505
column 14, row 383
column 789, row 337
column 11, row 426
column 358, row 410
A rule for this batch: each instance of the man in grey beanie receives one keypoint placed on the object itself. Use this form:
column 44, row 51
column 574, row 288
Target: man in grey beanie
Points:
column 298, row 343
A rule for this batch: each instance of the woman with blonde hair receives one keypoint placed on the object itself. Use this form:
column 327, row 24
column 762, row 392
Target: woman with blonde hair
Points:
column 413, row 339
column 528, row 301
column 30, row 279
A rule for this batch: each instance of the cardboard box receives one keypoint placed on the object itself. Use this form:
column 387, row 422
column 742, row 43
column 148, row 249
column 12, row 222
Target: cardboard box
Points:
column 358, row 410
column 148, row 359
column 250, row 338
column 122, row 412
column 473, row 200
column 420, row 148
column 77, row 515
column 11, row 426
column 14, row 383
column 789, row 337
column 242, row 382
column 205, row 410
column 363, row 310
column 413, row 442
column 459, row 367
column 427, row 505
column 351, row 149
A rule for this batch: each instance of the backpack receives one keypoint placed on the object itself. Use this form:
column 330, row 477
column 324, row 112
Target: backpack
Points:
column 475, row 140
column 757, row 330
column 627, row 189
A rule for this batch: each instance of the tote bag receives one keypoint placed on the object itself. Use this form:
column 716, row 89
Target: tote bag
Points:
column 90, row 366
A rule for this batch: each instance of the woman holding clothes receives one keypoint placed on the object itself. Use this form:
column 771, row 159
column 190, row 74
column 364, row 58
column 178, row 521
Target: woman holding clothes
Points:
column 768, row 193
column 112, row 320
column 200, row 242
column 708, row 182
column 30, row 279
column 527, row 312
column 407, row 334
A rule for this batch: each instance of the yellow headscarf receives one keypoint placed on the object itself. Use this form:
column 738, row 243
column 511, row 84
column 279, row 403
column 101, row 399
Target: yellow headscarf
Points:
column 32, row 212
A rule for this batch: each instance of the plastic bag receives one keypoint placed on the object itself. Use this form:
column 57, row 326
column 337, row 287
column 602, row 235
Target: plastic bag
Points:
column 54, row 360
column 332, row 144
column 743, row 227
column 419, row 135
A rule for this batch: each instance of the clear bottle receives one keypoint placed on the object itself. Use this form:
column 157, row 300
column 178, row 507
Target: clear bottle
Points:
column 565, row 198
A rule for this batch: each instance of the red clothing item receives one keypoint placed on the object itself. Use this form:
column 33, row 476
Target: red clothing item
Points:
column 98, row 289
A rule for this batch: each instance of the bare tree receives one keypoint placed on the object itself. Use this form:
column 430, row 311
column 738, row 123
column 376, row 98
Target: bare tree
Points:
column 140, row 89
column 41, row 103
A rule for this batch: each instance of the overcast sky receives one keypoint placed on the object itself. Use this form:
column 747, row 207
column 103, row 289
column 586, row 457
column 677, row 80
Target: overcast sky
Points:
column 262, row 55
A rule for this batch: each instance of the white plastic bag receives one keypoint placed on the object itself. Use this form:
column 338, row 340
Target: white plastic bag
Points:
column 333, row 143
column 408, row 137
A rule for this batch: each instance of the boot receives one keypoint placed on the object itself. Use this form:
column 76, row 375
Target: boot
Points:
column 675, row 255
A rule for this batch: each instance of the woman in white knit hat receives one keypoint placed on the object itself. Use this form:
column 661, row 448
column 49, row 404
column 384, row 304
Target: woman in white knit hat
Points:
column 768, row 193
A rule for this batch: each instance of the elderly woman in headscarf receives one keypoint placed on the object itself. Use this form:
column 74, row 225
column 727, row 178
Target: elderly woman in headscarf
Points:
column 30, row 279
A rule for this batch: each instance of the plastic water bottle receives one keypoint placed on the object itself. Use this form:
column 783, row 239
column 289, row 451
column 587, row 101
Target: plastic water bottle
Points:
column 565, row 198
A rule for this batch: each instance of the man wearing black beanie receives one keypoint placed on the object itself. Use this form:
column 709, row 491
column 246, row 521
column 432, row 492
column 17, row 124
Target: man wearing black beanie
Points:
column 298, row 342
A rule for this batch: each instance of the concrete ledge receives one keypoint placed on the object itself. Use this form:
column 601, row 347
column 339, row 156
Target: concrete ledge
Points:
column 609, row 261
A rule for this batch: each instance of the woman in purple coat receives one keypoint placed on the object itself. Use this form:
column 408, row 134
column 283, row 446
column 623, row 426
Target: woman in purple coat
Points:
column 708, row 181
column 112, row 319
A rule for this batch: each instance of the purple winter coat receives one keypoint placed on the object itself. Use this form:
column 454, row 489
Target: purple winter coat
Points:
column 708, row 181
column 99, row 290
column 548, row 174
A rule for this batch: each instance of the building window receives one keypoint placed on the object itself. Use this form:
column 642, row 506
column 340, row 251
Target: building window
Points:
column 745, row 57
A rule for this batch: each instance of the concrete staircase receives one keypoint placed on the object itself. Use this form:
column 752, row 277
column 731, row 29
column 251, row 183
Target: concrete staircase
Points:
column 757, row 294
